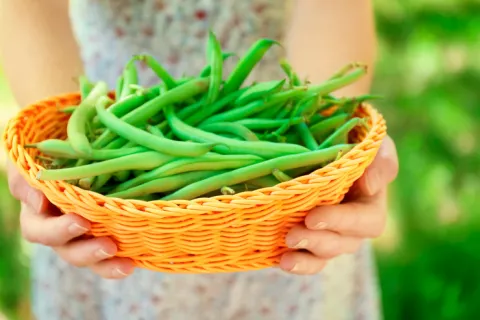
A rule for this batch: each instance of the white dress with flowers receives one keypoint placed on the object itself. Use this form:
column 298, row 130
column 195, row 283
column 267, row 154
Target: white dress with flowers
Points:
column 174, row 31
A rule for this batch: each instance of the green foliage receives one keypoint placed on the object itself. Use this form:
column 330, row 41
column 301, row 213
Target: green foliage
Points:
column 431, row 78
column 13, row 263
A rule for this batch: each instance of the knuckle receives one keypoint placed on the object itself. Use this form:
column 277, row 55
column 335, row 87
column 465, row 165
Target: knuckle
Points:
column 103, row 271
column 333, row 246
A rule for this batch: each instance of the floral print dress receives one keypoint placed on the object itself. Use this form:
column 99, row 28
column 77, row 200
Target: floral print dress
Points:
column 175, row 31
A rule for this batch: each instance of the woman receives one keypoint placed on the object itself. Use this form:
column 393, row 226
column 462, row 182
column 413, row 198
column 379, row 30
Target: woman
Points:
column 50, row 46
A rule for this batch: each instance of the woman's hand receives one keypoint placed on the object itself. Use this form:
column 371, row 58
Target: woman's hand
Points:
column 42, row 223
column 330, row 231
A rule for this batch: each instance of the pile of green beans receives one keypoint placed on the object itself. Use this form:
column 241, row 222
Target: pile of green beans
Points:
column 202, row 135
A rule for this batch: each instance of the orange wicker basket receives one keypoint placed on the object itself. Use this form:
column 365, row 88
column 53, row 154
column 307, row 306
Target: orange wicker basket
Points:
column 227, row 233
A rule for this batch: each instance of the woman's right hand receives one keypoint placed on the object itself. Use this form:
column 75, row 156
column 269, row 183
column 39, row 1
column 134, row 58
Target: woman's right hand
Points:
column 42, row 223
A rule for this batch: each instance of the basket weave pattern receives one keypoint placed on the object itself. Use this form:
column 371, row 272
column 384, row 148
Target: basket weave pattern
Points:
column 226, row 233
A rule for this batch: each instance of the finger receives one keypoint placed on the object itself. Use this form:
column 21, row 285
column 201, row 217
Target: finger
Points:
column 51, row 230
column 82, row 253
column 381, row 172
column 304, row 263
column 114, row 268
column 363, row 219
column 323, row 244
column 22, row 191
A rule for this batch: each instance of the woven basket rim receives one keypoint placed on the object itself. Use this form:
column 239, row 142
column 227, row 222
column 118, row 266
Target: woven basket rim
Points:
column 375, row 117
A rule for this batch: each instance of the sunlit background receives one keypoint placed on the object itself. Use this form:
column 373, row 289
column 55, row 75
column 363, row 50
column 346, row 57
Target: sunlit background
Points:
column 429, row 257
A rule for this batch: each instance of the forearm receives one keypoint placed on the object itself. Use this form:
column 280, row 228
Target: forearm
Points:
column 38, row 51
column 324, row 35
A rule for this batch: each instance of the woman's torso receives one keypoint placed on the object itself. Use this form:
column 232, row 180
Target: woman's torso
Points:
column 109, row 32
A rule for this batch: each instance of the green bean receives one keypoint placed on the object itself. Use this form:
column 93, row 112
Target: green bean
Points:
column 143, row 138
column 304, row 107
column 85, row 184
column 130, row 103
column 63, row 149
column 230, row 127
column 138, row 161
column 346, row 68
column 284, row 111
column 68, row 109
column 292, row 76
column 264, row 124
column 246, row 64
column 337, row 83
column 227, row 191
column 207, row 162
column 130, row 76
column 148, row 197
column 307, row 106
column 255, row 106
column 119, row 87
column 316, row 118
column 121, row 176
column 208, row 69
column 197, row 118
column 214, row 53
column 260, row 91
column 156, row 131
column 85, row 87
column 306, row 136
column 187, row 113
column 99, row 181
column 349, row 105
column 264, row 182
column 158, row 69
column 280, row 175
column 230, row 146
column 137, row 173
column 147, row 110
column 185, row 79
column 77, row 124
column 190, row 110
column 324, row 128
column 341, row 134
column 257, row 170
column 278, row 133
column 164, row 184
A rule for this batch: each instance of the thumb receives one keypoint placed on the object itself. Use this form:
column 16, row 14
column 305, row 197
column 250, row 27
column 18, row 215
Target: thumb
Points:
column 22, row 191
column 381, row 172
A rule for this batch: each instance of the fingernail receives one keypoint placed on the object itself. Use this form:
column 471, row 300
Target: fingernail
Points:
column 118, row 273
column 101, row 254
column 76, row 229
column 296, row 268
column 302, row 244
column 321, row 226
column 373, row 182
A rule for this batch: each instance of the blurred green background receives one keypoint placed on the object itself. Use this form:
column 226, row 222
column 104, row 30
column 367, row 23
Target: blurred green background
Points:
column 429, row 72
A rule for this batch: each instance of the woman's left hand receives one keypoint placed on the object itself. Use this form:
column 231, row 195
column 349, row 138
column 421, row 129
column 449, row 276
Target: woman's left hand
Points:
column 330, row 231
